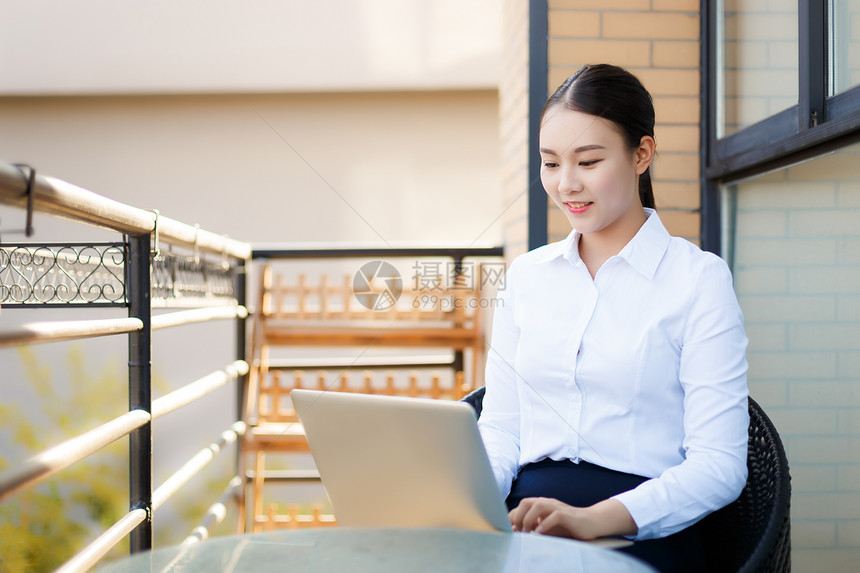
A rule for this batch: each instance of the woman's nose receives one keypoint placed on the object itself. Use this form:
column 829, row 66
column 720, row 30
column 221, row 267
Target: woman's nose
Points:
column 569, row 182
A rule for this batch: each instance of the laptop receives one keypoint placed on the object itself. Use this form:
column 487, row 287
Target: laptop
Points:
column 390, row 461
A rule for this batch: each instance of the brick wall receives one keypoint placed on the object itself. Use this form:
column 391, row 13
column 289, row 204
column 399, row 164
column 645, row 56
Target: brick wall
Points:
column 658, row 40
column 797, row 274
column 513, row 127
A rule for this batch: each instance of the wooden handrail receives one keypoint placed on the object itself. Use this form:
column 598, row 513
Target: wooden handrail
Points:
column 215, row 514
column 63, row 199
column 197, row 389
column 195, row 315
column 39, row 332
column 322, row 250
column 193, row 466
column 75, row 449
column 65, row 454
column 91, row 554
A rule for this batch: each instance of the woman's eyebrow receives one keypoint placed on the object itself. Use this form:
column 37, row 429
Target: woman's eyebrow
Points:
column 587, row 148
column 577, row 150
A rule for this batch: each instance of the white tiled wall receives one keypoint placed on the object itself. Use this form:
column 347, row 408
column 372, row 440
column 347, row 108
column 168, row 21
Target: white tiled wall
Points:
column 797, row 274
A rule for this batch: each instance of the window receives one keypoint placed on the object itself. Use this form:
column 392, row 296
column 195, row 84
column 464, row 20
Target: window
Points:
column 843, row 50
column 757, row 62
column 780, row 85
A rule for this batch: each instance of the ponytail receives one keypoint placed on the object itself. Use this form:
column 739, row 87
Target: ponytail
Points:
column 646, row 193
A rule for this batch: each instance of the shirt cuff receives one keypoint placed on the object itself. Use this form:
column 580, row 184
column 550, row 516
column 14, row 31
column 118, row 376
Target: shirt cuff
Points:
column 643, row 512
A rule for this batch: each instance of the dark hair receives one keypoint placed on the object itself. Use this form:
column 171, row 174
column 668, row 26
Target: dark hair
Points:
column 614, row 94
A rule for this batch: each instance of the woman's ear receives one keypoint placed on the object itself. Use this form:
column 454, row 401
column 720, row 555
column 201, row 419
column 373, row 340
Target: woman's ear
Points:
column 645, row 153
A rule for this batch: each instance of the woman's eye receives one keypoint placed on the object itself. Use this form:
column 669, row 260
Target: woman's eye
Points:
column 590, row 163
column 549, row 164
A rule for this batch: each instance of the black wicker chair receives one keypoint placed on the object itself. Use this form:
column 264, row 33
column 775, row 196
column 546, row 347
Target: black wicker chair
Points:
column 752, row 533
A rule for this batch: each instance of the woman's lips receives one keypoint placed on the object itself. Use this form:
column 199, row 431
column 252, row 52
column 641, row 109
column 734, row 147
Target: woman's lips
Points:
column 577, row 207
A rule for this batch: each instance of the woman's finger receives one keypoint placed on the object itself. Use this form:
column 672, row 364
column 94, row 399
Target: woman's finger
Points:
column 549, row 523
column 516, row 514
column 537, row 510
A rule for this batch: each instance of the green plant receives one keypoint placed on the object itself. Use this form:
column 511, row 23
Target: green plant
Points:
column 42, row 526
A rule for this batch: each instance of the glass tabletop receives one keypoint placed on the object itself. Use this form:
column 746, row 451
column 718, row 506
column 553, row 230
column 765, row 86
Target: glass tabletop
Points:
column 382, row 550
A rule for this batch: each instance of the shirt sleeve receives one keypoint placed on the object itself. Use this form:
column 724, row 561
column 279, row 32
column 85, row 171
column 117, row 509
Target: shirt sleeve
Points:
column 712, row 373
column 499, row 423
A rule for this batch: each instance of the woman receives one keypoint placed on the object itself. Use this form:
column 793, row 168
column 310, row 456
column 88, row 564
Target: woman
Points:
column 616, row 400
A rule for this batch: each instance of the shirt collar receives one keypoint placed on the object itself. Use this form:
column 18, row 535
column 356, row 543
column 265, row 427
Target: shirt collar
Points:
column 644, row 251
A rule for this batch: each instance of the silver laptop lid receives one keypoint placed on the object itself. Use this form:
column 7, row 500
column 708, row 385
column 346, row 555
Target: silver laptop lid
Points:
column 401, row 462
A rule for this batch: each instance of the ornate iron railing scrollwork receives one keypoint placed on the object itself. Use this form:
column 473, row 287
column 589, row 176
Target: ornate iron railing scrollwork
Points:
column 63, row 274
column 182, row 280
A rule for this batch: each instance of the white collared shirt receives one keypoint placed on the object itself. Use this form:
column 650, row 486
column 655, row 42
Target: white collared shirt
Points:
column 640, row 370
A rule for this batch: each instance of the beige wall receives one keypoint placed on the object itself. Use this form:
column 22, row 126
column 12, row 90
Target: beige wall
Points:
column 370, row 167
column 658, row 40
column 338, row 120
column 206, row 46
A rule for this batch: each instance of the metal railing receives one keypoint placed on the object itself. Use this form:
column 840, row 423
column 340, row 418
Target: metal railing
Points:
column 135, row 274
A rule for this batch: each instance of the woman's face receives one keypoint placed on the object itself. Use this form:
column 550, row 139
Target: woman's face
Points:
column 591, row 173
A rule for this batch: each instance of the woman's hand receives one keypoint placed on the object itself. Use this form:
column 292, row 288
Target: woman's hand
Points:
column 552, row 517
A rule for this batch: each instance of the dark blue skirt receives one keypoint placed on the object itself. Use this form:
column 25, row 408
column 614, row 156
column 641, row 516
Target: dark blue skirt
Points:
column 585, row 484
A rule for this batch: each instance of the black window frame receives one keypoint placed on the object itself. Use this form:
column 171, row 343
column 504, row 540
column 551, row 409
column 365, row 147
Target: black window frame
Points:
column 816, row 125
column 538, row 215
